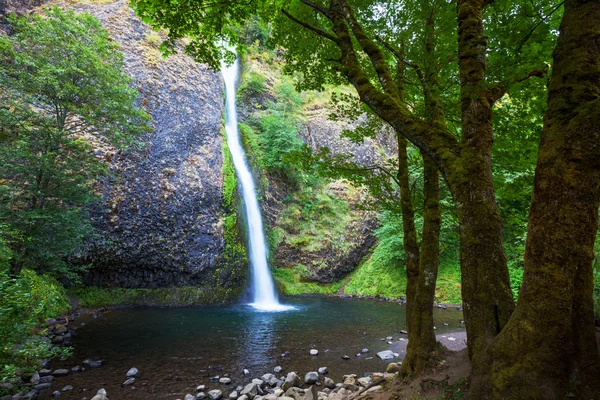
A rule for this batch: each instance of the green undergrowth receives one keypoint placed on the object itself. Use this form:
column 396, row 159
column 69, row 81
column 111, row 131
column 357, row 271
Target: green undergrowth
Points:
column 235, row 255
column 91, row 296
column 289, row 282
column 26, row 300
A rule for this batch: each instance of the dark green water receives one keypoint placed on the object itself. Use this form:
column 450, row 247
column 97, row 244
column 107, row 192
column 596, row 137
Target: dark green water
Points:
column 178, row 349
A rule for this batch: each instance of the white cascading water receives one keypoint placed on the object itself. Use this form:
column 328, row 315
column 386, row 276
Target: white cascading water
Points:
column 263, row 287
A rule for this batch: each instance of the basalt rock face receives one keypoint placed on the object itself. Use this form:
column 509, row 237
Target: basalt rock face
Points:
column 159, row 222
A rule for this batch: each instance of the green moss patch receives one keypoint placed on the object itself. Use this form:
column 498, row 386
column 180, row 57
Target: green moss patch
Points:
column 164, row 297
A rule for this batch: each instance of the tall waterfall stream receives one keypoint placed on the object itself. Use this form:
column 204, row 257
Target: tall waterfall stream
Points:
column 262, row 286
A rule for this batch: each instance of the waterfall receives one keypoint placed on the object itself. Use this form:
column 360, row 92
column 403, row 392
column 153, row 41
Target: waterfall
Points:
column 263, row 287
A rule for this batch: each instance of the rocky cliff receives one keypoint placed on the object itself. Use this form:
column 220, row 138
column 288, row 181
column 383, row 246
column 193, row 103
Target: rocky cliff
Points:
column 160, row 220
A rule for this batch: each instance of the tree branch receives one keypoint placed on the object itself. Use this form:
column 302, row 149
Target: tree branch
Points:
column 495, row 93
column 371, row 49
column 311, row 28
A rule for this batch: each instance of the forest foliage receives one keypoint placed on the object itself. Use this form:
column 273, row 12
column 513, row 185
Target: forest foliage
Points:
column 66, row 106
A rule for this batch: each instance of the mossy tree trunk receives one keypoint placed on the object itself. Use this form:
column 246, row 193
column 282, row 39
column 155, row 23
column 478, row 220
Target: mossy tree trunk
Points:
column 486, row 293
column 409, row 239
column 548, row 349
column 421, row 336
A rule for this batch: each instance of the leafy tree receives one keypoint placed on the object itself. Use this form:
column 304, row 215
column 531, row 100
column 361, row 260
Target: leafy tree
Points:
column 499, row 45
column 64, row 94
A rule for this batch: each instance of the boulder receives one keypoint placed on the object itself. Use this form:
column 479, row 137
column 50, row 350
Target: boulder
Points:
column 251, row 390
column 292, row 379
column 312, row 393
column 42, row 386
column 234, row 395
column 329, row 383
column 295, row 393
column 100, row 395
column 200, row 395
column 393, row 368
column 128, row 382
column 92, row 363
column 364, row 382
column 311, row 378
column 215, row 394
column 132, row 373
column 267, row 377
column 386, row 355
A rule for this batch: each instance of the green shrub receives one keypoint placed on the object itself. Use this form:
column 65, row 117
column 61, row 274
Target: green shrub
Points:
column 25, row 301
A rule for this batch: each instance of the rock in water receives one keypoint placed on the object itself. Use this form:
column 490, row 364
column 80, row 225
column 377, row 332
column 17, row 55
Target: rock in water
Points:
column 61, row 372
column 311, row 378
column 92, row 364
column 277, row 369
column 246, row 372
column 225, row 381
column 128, row 382
column 215, row 394
column 200, row 395
column 233, row 395
column 132, row 373
column 386, row 355
column 200, row 388
column 314, row 352
column 100, row 395
column 189, row 397
column 291, row 380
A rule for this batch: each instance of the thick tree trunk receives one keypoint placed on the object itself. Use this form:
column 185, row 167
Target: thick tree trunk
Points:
column 409, row 240
column 421, row 336
column 548, row 349
column 411, row 246
column 486, row 293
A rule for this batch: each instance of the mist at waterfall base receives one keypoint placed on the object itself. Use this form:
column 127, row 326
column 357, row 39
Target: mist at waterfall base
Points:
column 177, row 349
column 262, row 285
